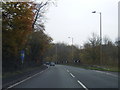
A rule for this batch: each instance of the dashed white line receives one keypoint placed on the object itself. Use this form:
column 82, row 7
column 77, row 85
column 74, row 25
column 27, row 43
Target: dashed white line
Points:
column 67, row 70
column 78, row 81
column 72, row 75
column 82, row 85
column 23, row 80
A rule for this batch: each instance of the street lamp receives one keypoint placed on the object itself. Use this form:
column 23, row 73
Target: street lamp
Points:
column 56, row 51
column 100, row 34
column 72, row 47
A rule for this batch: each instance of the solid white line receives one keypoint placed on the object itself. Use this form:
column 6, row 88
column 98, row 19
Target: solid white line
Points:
column 24, row 80
column 106, row 73
column 72, row 75
column 67, row 70
column 19, row 82
column 82, row 85
column 41, row 71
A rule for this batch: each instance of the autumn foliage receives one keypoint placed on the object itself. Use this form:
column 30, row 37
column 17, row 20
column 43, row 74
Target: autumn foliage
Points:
column 18, row 34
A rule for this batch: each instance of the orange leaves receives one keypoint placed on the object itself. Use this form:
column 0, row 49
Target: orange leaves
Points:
column 17, row 24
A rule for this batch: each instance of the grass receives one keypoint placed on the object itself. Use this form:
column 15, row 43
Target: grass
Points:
column 7, row 74
column 95, row 67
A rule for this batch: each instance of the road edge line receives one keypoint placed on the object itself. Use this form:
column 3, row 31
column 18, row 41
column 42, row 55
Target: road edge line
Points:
column 25, row 79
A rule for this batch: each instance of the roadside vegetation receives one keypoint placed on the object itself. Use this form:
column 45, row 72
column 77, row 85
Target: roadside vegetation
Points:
column 18, row 72
column 23, row 29
column 88, row 55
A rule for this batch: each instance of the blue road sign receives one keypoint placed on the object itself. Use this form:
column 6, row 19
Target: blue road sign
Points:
column 22, row 55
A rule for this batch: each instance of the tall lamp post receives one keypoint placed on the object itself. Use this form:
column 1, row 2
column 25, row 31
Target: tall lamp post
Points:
column 100, row 35
column 56, row 51
column 72, row 47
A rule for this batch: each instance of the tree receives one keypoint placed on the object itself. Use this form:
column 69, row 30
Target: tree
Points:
column 63, row 53
column 106, row 40
column 40, row 10
column 17, row 19
column 38, row 43
column 23, row 29
column 91, row 51
column 110, row 53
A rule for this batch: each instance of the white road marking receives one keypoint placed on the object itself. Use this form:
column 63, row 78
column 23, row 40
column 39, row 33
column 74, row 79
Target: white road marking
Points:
column 82, row 85
column 67, row 70
column 18, row 82
column 41, row 71
column 24, row 80
column 106, row 73
column 72, row 75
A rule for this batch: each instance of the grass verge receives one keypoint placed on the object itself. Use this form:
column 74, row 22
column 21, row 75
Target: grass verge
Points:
column 96, row 67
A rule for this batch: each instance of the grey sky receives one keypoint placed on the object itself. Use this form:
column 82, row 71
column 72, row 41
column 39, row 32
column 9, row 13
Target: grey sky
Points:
column 119, row 21
column 73, row 18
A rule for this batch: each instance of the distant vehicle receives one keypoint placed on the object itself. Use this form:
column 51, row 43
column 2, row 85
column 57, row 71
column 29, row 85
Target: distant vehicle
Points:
column 47, row 63
column 52, row 64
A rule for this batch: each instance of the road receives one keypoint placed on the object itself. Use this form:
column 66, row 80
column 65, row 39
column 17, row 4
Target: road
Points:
column 61, row 76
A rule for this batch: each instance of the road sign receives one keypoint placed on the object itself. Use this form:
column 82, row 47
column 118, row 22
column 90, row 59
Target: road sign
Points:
column 22, row 55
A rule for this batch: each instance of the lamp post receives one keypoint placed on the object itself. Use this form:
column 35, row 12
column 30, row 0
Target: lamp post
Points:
column 72, row 47
column 56, row 52
column 100, row 35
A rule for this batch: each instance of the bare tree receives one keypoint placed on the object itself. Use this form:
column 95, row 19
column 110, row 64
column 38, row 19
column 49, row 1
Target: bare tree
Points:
column 106, row 40
column 94, row 40
column 40, row 10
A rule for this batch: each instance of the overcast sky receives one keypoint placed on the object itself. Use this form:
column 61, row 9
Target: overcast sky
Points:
column 74, row 18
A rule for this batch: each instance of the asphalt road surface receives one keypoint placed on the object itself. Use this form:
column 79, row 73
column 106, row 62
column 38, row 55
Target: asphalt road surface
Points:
column 61, row 76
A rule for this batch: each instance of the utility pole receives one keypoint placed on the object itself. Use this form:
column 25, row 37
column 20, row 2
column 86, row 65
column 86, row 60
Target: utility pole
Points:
column 72, row 47
column 56, row 51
